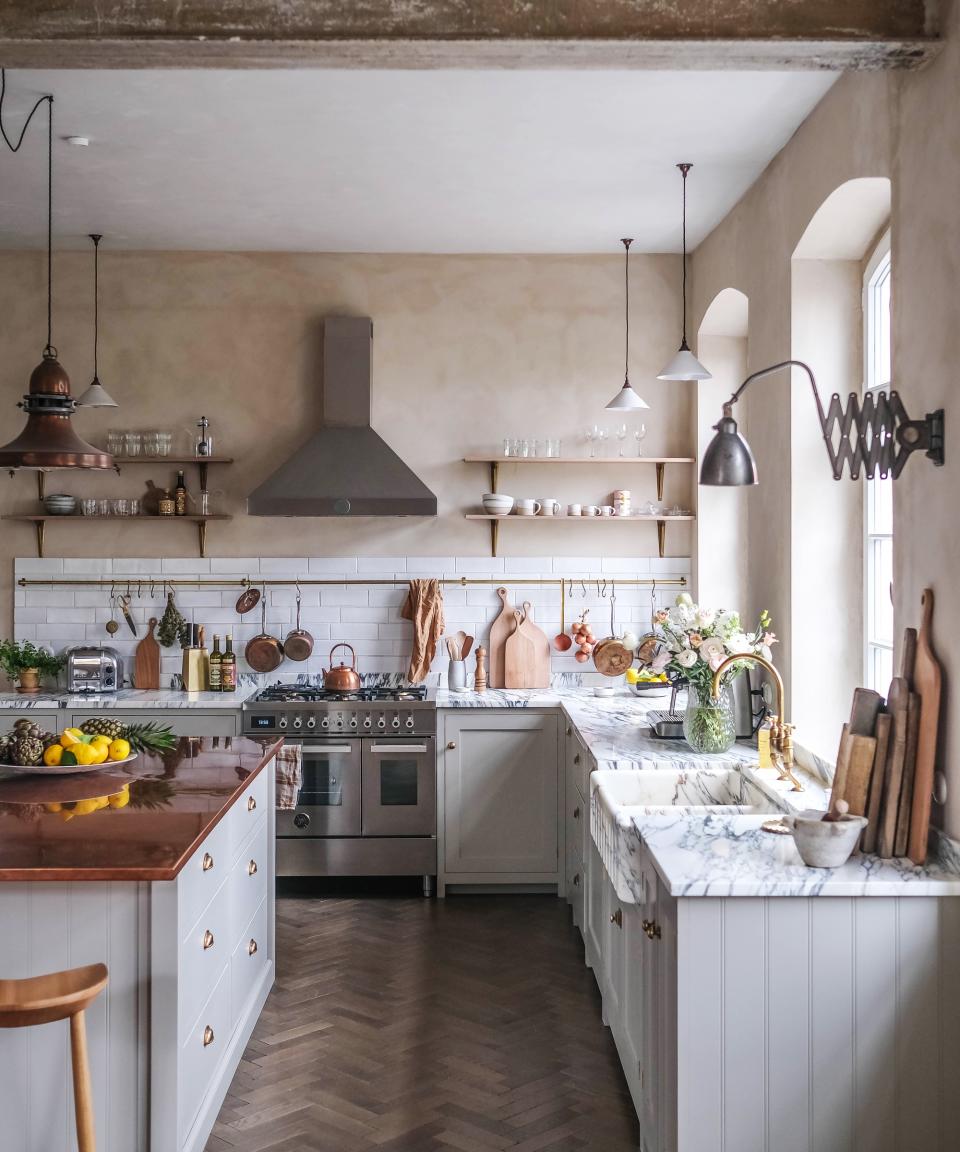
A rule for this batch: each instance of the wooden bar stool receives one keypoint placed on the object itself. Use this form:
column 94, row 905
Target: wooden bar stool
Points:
column 57, row 996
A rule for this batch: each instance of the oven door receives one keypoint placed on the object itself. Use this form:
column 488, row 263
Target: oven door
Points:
column 400, row 787
column 329, row 800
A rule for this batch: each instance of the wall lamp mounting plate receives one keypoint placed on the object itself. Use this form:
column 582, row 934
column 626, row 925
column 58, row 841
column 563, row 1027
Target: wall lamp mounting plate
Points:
column 874, row 435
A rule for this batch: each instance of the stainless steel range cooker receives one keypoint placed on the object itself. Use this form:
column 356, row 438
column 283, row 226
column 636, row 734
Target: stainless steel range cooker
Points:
column 368, row 804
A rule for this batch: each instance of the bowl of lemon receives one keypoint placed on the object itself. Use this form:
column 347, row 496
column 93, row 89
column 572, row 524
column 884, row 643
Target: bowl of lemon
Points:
column 647, row 683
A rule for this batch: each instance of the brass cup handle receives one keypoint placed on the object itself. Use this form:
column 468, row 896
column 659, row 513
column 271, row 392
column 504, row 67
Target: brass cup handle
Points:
column 207, row 1036
column 576, row 813
column 569, row 731
column 617, row 918
column 252, row 947
column 252, row 868
column 652, row 929
column 207, row 861
column 451, row 744
column 576, row 880
column 207, row 940
column 251, row 803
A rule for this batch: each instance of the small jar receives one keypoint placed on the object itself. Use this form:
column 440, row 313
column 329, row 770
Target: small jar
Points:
column 621, row 502
column 166, row 506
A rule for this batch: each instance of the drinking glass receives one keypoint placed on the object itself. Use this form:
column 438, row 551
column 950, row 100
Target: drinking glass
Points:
column 203, row 504
column 134, row 442
column 639, row 432
column 88, row 507
column 590, row 435
column 621, row 431
column 118, row 507
column 166, row 443
column 554, row 448
column 116, row 442
column 103, row 507
column 134, row 507
column 602, row 436
column 507, row 446
column 151, row 443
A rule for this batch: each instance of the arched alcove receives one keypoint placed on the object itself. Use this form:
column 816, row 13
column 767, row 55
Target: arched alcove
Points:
column 721, row 572
column 826, row 516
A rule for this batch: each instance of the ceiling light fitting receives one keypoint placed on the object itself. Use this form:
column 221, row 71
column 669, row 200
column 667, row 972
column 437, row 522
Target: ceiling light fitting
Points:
column 48, row 441
column 96, row 396
column 884, row 436
column 627, row 398
column 684, row 366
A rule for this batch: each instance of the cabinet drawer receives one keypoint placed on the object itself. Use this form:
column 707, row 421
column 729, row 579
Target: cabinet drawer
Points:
column 203, row 874
column 181, row 721
column 248, row 961
column 247, row 885
column 204, row 952
column 246, row 812
column 201, row 1054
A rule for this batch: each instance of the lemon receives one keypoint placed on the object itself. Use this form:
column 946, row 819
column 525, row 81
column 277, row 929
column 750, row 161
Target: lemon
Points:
column 54, row 807
column 71, row 736
column 100, row 753
column 101, row 739
column 85, row 807
column 85, row 753
column 120, row 799
column 119, row 749
column 633, row 675
column 52, row 755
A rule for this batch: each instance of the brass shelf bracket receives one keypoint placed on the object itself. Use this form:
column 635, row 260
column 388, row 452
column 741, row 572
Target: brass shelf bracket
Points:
column 660, row 470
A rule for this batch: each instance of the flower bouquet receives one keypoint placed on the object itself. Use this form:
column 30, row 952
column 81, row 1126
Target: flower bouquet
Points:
column 696, row 641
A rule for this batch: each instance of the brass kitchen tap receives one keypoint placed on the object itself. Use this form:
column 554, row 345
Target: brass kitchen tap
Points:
column 781, row 733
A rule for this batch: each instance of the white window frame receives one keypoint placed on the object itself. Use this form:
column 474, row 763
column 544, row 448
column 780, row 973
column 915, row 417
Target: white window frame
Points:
column 876, row 275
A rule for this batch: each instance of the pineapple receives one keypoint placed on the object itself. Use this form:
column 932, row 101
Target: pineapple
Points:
column 150, row 737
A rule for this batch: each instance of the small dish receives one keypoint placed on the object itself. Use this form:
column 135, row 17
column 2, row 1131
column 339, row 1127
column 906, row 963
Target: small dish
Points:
column 603, row 691
column 460, row 689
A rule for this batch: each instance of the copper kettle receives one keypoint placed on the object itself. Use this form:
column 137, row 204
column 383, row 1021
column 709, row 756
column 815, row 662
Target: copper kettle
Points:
column 342, row 678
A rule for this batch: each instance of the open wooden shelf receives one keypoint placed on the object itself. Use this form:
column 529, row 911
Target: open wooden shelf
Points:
column 495, row 522
column 40, row 522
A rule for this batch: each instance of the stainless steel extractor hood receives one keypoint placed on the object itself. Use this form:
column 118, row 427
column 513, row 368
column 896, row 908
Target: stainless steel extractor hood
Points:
column 344, row 469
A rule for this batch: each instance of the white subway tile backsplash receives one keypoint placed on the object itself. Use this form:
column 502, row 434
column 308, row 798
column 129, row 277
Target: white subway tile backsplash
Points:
column 88, row 567
column 137, row 566
column 340, row 594
column 184, row 566
column 529, row 565
column 48, row 597
column 332, row 565
column 382, row 565
column 57, row 616
column 235, row 565
column 576, row 565
column 37, row 566
column 310, row 617
column 284, row 566
column 624, row 565
column 670, row 565
column 480, row 564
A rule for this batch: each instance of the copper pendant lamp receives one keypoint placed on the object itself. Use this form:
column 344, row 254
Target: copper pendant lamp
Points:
column 48, row 441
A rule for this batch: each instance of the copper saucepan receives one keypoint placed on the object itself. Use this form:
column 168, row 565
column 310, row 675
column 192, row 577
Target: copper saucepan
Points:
column 298, row 644
column 264, row 653
column 342, row 678
column 611, row 656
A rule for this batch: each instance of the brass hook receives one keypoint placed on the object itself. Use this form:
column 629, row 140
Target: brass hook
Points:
column 583, row 588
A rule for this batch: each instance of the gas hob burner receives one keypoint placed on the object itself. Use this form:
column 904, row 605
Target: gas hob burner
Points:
column 312, row 694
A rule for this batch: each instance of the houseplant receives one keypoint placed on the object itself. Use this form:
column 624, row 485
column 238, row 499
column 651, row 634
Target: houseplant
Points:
column 26, row 663
column 696, row 641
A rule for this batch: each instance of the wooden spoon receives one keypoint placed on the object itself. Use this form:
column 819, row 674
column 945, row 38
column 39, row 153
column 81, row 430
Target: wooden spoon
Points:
column 467, row 645
column 562, row 642
column 459, row 639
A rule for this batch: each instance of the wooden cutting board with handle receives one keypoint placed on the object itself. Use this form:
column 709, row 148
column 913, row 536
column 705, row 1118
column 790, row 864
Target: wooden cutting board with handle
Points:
column 898, row 699
column 527, row 654
column 146, row 660
column 926, row 684
column 905, row 811
column 500, row 631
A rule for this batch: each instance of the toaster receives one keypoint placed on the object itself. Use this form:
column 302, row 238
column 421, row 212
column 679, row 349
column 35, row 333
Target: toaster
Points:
column 94, row 670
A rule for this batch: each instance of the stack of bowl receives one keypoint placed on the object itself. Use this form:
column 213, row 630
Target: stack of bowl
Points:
column 496, row 504
column 60, row 505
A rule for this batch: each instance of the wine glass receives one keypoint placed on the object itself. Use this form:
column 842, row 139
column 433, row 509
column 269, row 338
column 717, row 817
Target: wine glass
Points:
column 602, row 436
column 621, row 431
column 590, row 435
column 639, row 432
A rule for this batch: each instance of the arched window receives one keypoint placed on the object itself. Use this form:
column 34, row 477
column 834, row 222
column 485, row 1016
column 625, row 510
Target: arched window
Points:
column 878, row 512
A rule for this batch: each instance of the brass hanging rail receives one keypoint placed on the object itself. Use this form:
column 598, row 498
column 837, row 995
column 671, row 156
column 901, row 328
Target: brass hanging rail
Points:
column 139, row 580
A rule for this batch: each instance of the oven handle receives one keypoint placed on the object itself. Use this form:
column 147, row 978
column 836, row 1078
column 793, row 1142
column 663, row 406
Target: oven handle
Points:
column 398, row 748
column 331, row 748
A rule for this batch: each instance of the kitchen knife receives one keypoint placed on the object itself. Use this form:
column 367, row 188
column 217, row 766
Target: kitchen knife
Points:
column 125, row 609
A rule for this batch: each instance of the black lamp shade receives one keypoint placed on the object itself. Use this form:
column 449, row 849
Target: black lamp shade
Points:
column 728, row 461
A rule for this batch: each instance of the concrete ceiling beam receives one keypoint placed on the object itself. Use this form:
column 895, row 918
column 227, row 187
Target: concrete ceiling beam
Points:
column 674, row 34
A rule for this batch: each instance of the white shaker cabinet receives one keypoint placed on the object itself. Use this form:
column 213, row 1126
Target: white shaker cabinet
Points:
column 500, row 788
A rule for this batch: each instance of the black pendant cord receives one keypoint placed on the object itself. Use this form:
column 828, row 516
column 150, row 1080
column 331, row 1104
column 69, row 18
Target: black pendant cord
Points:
column 96, row 238
column 626, row 278
column 684, row 169
column 49, row 350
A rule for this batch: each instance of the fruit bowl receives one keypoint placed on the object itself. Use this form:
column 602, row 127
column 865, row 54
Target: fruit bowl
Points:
column 61, row 769
column 99, row 743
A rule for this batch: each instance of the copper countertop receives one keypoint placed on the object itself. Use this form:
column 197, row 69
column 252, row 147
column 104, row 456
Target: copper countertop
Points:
column 174, row 802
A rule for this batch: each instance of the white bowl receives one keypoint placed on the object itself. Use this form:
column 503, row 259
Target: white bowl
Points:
column 497, row 504
column 603, row 691
column 822, row 843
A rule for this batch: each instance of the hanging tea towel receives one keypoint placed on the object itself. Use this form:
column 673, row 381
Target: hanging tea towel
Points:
column 424, row 606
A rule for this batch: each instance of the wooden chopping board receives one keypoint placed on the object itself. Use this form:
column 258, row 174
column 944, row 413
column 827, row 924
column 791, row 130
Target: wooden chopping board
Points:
column 527, row 654
column 146, row 661
column 904, row 812
column 872, row 831
column 898, row 699
column 926, row 683
column 500, row 631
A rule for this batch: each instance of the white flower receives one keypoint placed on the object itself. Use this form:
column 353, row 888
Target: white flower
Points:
column 703, row 617
column 739, row 643
column 712, row 652
column 684, row 600
column 687, row 658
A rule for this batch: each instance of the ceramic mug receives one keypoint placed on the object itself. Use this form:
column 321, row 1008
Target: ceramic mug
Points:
column 549, row 507
column 591, row 510
column 606, row 510
column 574, row 510
column 528, row 507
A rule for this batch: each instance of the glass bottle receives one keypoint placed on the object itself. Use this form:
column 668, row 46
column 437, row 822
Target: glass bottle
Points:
column 204, row 445
column 215, row 666
column 228, row 668
column 180, row 495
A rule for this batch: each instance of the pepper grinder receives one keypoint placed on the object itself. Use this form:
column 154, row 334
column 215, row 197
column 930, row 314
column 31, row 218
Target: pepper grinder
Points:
column 480, row 678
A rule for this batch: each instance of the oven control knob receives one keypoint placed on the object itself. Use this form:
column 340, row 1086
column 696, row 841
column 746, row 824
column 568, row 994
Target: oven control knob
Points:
column 312, row 722
column 368, row 721
column 301, row 820
column 298, row 721
column 353, row 721
column 382, row 722
column 283, row 722
column 395, row 722
column 339, row 721
column 409, row 721
column 324, row 723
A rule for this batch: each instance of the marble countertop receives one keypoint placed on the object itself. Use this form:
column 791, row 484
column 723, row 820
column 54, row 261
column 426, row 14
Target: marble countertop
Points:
column 160, row 809
column 161, row 699
column 708, row 854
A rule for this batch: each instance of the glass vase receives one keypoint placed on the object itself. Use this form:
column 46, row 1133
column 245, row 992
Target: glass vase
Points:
column 709, row 725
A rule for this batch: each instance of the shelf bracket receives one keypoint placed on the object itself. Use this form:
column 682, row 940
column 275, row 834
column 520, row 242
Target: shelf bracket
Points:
column 494, row 535
column 660, row 468
column 202, row 533
column 494, row 476
column 202, row 469
column 41, row 485
column 661, row 535
column 40, row 525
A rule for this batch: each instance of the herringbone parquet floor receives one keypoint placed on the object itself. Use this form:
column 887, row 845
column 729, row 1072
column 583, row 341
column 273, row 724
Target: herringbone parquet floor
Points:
column 406, row 1025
